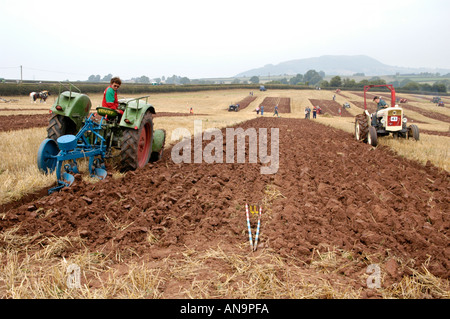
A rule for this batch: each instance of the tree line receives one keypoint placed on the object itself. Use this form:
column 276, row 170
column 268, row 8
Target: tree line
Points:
column 175, row 79
column 310, row 78
column 314, row 78
column 406, row 84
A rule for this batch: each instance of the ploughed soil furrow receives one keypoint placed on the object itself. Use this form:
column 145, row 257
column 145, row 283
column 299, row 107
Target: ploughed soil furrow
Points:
column 284, row 104
column 430, row 114
column 371, row 106
column 329, row 191
column 331, row 107
column 246, row 102
column 23, row 121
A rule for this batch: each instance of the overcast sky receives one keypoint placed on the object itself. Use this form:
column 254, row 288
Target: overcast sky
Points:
column 60, row 40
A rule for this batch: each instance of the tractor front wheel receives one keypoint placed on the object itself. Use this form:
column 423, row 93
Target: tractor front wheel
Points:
column 413, row 131
column 372, row 137
column 159, row 139
column 137, row 145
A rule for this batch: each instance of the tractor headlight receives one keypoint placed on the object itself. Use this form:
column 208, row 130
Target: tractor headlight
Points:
column 383, row 121
column 405, row 120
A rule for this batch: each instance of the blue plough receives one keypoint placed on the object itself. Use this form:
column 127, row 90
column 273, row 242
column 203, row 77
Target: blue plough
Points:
column 88, row 143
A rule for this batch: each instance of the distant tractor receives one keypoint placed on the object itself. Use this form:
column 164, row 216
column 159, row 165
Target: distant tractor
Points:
column 346, row 105
column 262, row 88
column 389, row 120
column 436, row 99
column 441, row 103
column 403, row 100
column 233, row 108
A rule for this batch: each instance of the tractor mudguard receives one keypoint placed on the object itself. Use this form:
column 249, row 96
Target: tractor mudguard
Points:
column 159, row 137
column 134, row 112
column 74, row 105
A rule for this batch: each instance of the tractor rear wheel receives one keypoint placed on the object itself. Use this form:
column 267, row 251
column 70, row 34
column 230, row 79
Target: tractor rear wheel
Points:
column 60, row 125
column 361, row 127
column 137, row 145
column 372, row 137
column 413, row 131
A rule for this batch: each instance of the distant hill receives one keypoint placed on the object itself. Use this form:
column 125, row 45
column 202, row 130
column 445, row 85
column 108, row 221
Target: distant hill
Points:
column 336, row 65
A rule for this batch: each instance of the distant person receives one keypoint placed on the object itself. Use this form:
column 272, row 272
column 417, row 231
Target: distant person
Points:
column 191, row 111
column 307, row 113
column 262, row 110
column 314, row 112
column 257, row 110
column 110, row 95
column 275, row 112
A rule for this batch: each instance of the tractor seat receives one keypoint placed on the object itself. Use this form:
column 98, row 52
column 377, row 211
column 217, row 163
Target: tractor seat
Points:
column 106, row 111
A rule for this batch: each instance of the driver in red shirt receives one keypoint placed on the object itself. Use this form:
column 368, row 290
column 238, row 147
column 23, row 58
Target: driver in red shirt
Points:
column 110, row 95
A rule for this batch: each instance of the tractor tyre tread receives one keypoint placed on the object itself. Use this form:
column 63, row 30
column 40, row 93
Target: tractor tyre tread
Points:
column 60, row 125
column 373, row 136
column 361, row 120
column 129, row 149
column 413, row 132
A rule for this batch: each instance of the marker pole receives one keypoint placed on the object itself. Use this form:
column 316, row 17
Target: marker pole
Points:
column 248, row 226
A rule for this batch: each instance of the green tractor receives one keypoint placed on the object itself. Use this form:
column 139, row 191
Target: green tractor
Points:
column 436, row 99
column 129, row 136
